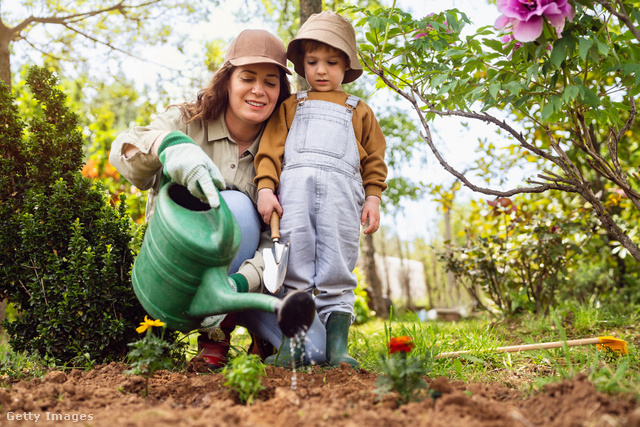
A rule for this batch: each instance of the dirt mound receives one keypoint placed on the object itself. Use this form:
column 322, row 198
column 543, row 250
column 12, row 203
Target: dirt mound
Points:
column 105, row 396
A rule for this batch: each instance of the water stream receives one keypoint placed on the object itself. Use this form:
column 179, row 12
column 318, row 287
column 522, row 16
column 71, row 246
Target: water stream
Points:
column 296, row 343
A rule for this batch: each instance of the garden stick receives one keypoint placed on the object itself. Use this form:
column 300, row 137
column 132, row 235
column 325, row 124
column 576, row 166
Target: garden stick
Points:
column 617, row 345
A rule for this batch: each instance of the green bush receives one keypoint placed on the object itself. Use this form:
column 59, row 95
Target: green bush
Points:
column 65, row 254
column 518, row 255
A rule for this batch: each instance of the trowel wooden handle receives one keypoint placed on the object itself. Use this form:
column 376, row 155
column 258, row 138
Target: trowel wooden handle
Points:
column 526, row 347
column 274, row 222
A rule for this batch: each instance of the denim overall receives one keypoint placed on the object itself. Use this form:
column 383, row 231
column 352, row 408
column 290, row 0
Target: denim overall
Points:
column 322, row 196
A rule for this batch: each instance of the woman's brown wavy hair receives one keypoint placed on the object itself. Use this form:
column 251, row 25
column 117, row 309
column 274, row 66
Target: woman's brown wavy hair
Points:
column 213, row 99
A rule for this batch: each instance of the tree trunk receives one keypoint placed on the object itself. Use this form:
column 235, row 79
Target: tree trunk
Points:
column 427, row 282
column 307, row 8
column 451, row 280
column 5, row 76
column 5, row 54
column 383, row 252
column 405, row 278
column 439, row 298
column 371, row 273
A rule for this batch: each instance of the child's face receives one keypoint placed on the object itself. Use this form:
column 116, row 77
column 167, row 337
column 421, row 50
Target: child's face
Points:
column 324, row 68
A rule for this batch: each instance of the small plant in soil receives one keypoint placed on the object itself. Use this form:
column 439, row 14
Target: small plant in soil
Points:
column 151, row 353
column 244, row 375
column 402, row 372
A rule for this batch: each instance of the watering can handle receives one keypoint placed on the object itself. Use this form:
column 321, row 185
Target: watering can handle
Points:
column 274, row 222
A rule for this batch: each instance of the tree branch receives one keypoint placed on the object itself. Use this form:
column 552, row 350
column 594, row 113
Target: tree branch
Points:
column 630, row 120
column 120, row 6
column 36, row 48
column 622, row 16
column 499, row 123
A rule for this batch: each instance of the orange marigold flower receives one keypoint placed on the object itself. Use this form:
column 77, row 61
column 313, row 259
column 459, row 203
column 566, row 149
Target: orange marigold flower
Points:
column 402, row 344
column 90, row 169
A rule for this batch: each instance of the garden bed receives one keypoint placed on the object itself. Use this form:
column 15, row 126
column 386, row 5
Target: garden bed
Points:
column 105, row 396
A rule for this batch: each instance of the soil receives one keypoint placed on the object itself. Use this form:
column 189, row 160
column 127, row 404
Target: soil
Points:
column 105, row 396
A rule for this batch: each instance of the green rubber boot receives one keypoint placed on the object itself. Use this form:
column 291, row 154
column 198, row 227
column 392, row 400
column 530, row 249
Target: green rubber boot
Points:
column 337, row 339
column 283, row 357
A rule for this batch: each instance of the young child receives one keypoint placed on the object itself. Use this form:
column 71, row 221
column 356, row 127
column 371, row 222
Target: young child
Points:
column 323, row 151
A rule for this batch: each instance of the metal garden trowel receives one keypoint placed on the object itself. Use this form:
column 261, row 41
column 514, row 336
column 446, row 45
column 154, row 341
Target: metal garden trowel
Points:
column 275, row 258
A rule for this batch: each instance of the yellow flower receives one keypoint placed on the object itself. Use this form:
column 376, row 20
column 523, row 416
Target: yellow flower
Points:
column 148, row 323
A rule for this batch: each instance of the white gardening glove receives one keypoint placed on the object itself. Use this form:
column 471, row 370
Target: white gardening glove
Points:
column 185, row 163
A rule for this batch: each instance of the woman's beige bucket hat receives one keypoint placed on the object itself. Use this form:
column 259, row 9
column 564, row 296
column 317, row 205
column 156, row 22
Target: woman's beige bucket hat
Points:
column 257, row 47
column 330, row 28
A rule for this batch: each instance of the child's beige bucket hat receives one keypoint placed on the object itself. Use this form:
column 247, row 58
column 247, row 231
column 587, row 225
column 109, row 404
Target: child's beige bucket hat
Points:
column 330, row 28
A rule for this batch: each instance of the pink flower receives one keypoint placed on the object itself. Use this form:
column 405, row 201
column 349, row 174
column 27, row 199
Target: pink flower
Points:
column 506, row 39
column 526, row 17
column 424, row 32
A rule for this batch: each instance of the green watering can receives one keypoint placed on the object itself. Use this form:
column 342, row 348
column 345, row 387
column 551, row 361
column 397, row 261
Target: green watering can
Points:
column 180, row 274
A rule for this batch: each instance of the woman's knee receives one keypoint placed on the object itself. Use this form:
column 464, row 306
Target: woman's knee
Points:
column 250, row 223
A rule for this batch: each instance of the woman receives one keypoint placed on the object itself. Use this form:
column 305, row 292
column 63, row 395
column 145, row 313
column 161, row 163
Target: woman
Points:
column 209, row 143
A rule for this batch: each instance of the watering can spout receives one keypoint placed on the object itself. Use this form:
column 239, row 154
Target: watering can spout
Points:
column 180, row 275
column 216, row 296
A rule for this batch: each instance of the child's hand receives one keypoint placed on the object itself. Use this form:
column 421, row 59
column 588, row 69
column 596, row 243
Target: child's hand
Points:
column 267, row 203
column 371, row 212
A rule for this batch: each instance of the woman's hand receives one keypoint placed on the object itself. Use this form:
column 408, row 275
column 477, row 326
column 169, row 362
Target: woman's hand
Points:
column 267, row 203
column 188, row 165
column 371, row 213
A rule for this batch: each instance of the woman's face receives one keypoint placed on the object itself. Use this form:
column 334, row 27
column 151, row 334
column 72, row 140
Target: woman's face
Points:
column 253, row 94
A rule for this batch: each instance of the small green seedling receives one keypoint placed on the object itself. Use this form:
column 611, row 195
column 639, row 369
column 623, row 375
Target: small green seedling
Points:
column 244, row 375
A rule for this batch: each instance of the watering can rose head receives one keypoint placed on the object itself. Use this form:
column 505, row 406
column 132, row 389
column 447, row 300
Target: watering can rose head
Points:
column 526, row 17
column 401, row 344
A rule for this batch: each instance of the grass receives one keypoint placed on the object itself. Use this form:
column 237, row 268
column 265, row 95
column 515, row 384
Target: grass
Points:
column 18, row 366
column 526, row 371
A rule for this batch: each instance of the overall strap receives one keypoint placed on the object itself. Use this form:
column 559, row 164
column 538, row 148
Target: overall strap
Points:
column 301, row 96
column 352, row 101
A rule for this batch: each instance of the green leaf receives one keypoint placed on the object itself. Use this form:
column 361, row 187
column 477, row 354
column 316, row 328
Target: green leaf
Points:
column 367, row 47
column 551, row 107
column 438, row 80
column 570, row 93
column 588, row 96
column 458, row 366
column 629, row 69
column 559, row 53
column 371, row 38
column 603, row 48
column 494, row 44
column 532, row 71
column 521, row 101
column 494, row 89
column 454, row 53
column 444, row 89
column 514, row 87
column 583, row 47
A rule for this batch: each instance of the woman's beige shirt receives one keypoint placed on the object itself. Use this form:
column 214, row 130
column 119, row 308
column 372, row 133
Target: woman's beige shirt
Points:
column 144, row 169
